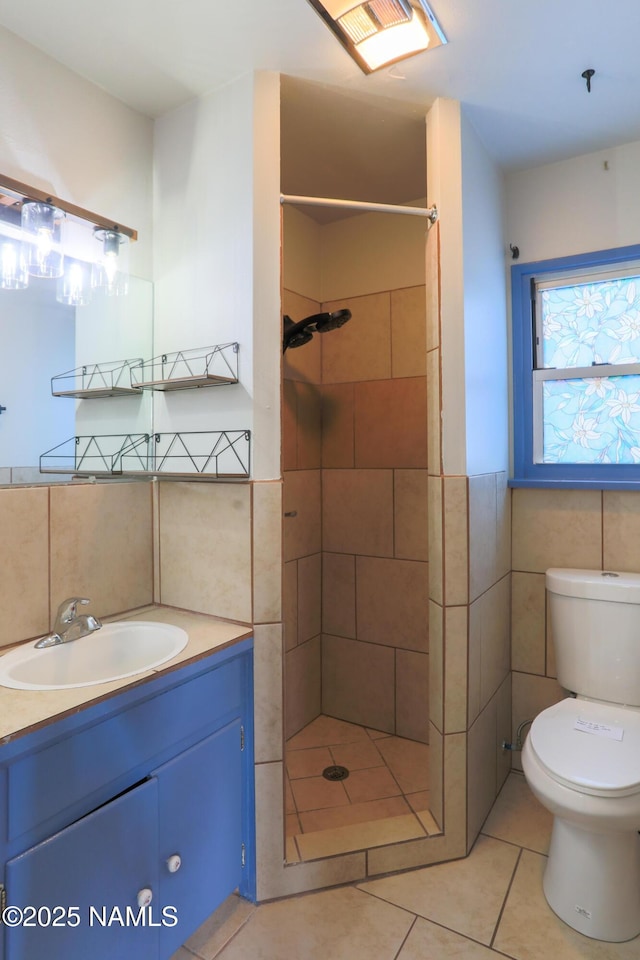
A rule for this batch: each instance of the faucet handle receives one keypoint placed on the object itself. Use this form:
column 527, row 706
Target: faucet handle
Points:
column 68, row 609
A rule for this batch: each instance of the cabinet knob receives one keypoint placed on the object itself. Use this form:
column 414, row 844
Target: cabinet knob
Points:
column 174, row 863
column 145, row 896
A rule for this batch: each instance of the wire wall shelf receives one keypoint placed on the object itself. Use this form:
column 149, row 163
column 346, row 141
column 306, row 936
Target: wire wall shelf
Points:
column 95, row 380
column 201, row 367
column 202, row 455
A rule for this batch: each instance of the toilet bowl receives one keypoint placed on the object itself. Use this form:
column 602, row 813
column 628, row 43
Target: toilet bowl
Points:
column 590, row 782
column 582, row 755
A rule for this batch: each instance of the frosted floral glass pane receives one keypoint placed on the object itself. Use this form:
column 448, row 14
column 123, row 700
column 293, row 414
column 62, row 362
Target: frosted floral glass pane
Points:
column 594, row 420
column 591, row 323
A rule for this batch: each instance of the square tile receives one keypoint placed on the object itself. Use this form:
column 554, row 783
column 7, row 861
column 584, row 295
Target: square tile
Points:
column 307, row 763
column 339, row 594
column 361, row 349
column 392, row 602
column 360, row 836
column 556, row 528
column 316, row 793
column 428, row 941
column 303, row 685
column 302, row 501
column 412, row 695
column 528, row 622
column 24, row 521
column 338, row 406
column 456, row 587
column 309, row 596
column 375, row 783
column 366, row 812
column 436, row 893
column 358, row 682
column 357, row 756
column 408, row 761
column 621, row 529
column 326, row 731
column 391, row 423
column 357, row 512
column 309, row 426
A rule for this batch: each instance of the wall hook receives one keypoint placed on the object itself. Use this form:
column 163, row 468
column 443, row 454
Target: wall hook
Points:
column 587, row 74
column 515, row 251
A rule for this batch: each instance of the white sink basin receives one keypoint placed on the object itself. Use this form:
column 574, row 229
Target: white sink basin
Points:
column 115, row 651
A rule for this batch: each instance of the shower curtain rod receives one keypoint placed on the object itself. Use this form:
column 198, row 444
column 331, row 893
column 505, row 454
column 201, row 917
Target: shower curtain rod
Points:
column 431, row 213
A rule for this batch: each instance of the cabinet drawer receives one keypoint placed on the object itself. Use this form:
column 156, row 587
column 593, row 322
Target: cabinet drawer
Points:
column 45, row 783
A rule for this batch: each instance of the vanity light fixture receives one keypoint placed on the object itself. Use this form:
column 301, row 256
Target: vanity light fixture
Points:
column 377, row 33
column 43, row 236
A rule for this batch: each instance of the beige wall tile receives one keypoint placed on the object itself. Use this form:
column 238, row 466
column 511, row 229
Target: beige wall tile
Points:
column 358, row 682
column 433, row 287
column 101, row 546
column 436, row 531
column 155, row 513
column 309, row 423
column 503, row 522
column 302, row 686
column 302, row 363
column 205, row 548
column 357, row 836
column 483, row 533
column 550, row 670
column 289, row 425
column 495, row 657
column 556, row 528
column 290, row 603
column 267, row 693
column 436, row 774
column 408, row 332
column 621, row 530
column 410, row 510
column 267, row 552
column 455, row 787
column 482, row 769
column 476, row 614
column 361, row 349
column 503, row 719
column 339, row 594
column 456, row 586
column 392, row 599
column 434, row 414
column 338, row 425
column 436, row 665
column 455, row 670
column 24, row 585
column 412, row 695
column 357, row 512
column 528, row 622
column 302, row 497
column 309, row 596
column 391, row 423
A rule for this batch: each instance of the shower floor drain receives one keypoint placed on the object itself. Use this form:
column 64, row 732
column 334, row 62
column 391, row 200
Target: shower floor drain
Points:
column 335, row 773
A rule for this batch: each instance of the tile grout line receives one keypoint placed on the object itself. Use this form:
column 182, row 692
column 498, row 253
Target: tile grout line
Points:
column 506, row 897
column 408, row 934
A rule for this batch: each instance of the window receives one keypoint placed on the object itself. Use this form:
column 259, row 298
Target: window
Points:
column 576, row 370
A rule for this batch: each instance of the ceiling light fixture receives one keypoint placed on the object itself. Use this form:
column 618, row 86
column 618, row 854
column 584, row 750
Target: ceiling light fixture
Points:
column 44, row 236
column 377, row 33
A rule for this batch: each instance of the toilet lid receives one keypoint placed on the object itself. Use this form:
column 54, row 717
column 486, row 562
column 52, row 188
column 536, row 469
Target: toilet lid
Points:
column 591, row 747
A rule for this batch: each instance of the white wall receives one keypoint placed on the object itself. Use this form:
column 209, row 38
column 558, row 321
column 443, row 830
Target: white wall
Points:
column 576, row 205
column 485, row 324
column 217, row 225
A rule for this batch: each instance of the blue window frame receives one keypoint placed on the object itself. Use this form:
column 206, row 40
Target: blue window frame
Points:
column 576, row 370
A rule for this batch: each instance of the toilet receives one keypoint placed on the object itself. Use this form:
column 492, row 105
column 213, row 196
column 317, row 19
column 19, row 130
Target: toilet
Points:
column 581, row 758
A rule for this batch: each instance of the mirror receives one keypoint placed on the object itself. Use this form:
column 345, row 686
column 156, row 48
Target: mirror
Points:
column 43, row 339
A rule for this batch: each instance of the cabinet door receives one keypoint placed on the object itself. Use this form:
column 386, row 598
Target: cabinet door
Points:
column 102, row 861
column 200, row 803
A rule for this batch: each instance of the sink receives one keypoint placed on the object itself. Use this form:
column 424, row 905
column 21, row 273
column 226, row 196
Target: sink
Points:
column 115, row 651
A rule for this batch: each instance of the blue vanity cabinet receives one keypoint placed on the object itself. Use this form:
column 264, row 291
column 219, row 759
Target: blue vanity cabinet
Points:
column 143, row 798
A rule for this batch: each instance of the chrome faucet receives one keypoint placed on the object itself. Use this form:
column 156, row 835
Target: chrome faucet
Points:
column 69, row 625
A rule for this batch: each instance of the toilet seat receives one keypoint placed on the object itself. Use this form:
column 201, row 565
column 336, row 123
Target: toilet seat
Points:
column 590, row 747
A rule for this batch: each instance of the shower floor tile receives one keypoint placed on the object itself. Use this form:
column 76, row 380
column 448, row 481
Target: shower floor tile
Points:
column 384, row 799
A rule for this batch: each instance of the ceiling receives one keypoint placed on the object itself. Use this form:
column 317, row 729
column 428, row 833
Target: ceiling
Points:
column 515, row 65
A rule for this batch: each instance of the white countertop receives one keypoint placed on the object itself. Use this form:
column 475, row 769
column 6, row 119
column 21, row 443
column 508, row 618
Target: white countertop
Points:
column 24, row 710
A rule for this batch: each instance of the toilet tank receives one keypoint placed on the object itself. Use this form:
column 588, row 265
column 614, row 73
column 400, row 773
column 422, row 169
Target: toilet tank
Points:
column 595, row 626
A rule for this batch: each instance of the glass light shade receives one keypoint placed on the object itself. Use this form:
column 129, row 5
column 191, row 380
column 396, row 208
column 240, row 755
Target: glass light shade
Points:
column 74, row 286
column 42, row 223
column 394, row 43
column 111, row 269
column 14, row 274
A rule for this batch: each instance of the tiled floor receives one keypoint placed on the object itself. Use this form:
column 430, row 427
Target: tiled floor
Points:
column 487, row 906
column 384, row 799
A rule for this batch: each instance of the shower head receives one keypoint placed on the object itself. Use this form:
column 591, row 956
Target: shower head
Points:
column 297, row 334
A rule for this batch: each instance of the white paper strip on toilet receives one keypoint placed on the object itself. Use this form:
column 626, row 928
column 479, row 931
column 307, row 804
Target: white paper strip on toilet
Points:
column 599, row 729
